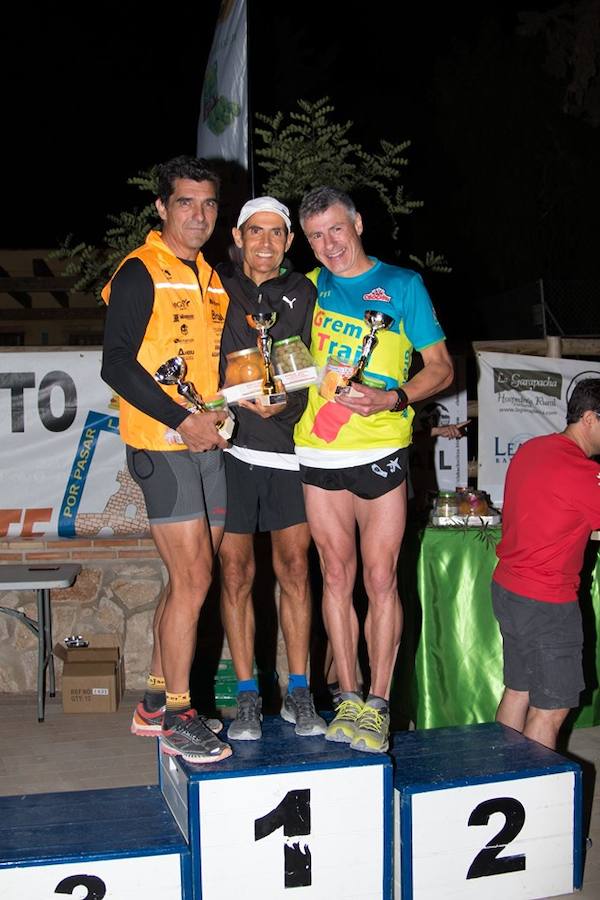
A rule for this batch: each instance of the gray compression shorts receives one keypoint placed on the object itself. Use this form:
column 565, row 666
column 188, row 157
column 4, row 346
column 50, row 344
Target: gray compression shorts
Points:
column 179, row 485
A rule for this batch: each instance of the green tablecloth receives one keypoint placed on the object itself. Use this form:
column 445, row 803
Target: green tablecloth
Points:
column 450, row 665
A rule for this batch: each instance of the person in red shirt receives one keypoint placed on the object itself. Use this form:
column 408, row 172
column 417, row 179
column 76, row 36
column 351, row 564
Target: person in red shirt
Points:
column 551, row 504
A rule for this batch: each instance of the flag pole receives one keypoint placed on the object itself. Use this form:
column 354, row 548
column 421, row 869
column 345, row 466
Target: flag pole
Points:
column 250, row 105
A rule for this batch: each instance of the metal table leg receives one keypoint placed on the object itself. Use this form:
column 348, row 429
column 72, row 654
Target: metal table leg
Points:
column 49, row 656
column 41, row 673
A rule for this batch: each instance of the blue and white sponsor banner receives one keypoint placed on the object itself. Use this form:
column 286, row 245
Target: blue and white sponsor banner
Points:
column 223, row 123
column 62, row 463
column 520, row 397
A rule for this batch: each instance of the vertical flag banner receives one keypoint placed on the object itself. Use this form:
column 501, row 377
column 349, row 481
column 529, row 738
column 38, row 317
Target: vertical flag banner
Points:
column 520, row 397
column 440, row 464
column 223, row 125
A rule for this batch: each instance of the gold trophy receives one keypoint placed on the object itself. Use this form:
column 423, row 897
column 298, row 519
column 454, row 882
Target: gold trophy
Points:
column 377, row 321
column 173, row 371
column 272, row 393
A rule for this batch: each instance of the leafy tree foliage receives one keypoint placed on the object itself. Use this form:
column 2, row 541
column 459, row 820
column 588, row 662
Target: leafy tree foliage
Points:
column 300, row 151
column 307, row 148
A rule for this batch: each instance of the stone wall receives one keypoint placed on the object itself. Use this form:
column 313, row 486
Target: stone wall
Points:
column 116, row 591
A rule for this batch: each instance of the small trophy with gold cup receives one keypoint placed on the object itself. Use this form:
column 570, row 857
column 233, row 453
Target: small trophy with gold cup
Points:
column 173, row 371
column 273, row 392
column 337, row 380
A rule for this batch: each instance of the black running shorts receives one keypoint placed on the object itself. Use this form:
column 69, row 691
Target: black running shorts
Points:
column 261, row 498
column 368, row 481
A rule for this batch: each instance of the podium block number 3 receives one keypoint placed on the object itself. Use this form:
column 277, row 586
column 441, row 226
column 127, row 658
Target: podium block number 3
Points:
column 96, row 889
column 293, row 815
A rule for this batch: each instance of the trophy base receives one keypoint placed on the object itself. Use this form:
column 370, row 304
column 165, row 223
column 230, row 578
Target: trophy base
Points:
column 272, row 399
column 348, row 390
column 226, row 429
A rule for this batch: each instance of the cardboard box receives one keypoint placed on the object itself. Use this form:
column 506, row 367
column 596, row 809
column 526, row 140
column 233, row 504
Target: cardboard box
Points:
column 93, row 677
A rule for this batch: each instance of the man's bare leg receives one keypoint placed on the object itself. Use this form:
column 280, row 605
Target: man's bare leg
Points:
column 381, row 522
column 290, row 564
column 186, row 550
column 513, row 707
column 330, row 516
column 543, row 725
column 216, row 534
column 236, row 556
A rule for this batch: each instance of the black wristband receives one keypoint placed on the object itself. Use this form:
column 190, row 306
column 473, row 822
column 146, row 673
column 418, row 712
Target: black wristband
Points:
column 402, row 401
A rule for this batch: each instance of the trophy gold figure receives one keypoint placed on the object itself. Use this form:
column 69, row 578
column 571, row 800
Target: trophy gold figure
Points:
column 272, row 393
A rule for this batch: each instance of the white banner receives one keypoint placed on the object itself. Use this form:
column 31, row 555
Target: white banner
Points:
column 62, row 463
column 439, row 463
column 223, row 124
column 520, row 397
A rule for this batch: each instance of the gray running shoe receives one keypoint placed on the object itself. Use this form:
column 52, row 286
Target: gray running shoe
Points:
column 246, row 725
column 342, row 727
column 299, row 708
column 189, row 737
column 149, row 724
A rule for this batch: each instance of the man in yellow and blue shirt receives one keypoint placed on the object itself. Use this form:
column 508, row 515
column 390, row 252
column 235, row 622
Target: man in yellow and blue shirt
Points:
column 353, row 449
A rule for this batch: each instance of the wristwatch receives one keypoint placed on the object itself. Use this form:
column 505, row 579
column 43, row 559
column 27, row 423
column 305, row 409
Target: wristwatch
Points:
column 402, row 401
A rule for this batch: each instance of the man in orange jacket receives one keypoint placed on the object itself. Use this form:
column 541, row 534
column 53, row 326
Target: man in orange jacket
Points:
column 166, row 301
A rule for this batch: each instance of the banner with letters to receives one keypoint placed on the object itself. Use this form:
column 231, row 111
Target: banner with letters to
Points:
column 62, row 463
column 223, row 123
column 520, row 397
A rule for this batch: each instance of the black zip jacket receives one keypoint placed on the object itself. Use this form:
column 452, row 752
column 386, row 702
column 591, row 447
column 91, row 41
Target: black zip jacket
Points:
column 292, row 296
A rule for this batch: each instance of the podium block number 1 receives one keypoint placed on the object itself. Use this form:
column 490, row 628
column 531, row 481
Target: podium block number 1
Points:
column 285, row 830
column 293, row 815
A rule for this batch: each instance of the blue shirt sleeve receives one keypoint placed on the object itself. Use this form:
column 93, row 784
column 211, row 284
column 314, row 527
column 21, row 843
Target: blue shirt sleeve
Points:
column 420, row 321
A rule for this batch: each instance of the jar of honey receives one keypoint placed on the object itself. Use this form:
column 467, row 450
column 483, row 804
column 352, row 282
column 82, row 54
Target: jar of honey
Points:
column 472, row 503
column 243, row 365
column 446, row 504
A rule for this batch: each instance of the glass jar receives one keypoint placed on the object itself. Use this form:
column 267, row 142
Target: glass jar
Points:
column 226, row 424
column 243, row 365
column 446, row 504
column 290, row 355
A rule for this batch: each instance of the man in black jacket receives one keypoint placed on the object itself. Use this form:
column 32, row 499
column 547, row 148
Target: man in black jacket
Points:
column 263, row 481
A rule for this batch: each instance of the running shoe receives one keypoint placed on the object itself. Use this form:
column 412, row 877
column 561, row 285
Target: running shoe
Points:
column 149, row 724
column 246, row 725
column 299, row 708
column 372, row 729
column 342, row 727
column 189, row 737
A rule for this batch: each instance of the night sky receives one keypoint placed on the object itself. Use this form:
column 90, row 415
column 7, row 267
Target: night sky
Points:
column 509, row 180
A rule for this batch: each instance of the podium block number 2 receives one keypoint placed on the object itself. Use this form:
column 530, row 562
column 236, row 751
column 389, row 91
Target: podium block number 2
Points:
column 293, row 815
column 486, row 862
column 494, row 840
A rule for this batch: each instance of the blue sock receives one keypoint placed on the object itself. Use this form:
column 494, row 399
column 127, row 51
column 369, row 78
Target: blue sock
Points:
column 249, row 685
column 295, row 681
